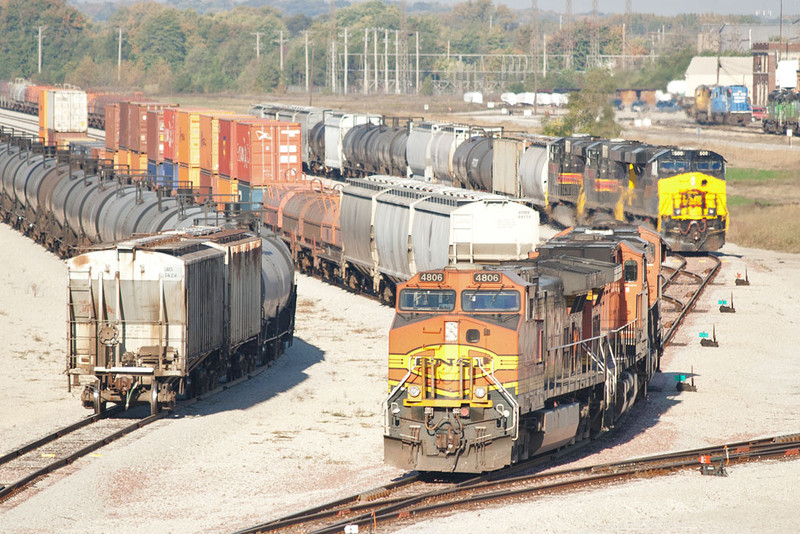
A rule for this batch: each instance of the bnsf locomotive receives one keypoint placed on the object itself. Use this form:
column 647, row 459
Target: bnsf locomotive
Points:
column 488, row 367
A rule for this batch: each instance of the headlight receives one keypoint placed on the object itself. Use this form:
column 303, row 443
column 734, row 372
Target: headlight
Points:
column 712, row 211
column 480, row 392
column 451, row 331
column 413, row 391
column 676, row 211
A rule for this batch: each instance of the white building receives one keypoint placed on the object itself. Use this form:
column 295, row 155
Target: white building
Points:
column 732, row 71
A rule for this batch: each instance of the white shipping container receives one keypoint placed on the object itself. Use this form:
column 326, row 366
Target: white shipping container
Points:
column 67, row 111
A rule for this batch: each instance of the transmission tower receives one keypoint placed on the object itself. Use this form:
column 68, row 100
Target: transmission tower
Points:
column 595, row 34
column 568, row 35
column 535, row 49
column 627, row 32
column 402, row 52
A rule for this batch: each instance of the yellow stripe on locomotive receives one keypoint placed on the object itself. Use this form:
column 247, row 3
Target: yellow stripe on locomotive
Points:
column 437, row 370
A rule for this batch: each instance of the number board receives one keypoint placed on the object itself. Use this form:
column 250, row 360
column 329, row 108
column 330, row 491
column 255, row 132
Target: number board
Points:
column 431, row 277
column 486, row 278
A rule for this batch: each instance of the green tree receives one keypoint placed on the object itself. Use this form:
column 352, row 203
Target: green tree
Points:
column 161, row 37
column 589, row 110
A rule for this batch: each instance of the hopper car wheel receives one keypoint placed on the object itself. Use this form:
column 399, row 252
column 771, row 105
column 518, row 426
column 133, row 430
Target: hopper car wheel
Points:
column 154, row 407
column 99, row 403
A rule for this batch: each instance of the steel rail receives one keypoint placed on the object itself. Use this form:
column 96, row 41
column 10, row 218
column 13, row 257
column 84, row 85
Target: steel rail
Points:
column 11, row 489
column 33, row 445
column 704, row 281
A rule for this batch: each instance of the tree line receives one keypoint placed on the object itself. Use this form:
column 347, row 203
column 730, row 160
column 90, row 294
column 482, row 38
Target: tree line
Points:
column 212, row 50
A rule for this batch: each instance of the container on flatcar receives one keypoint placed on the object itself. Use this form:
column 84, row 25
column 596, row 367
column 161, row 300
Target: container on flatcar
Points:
column 268, row 152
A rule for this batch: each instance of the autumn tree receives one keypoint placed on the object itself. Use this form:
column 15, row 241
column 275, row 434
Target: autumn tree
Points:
column 589, row 110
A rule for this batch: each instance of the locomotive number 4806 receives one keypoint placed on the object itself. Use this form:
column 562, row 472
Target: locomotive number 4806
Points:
column 431, row 277
column 486, row 278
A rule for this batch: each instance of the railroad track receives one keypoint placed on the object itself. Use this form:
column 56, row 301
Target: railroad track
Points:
column 500, row 487
column 685, row 278
column 43, row 456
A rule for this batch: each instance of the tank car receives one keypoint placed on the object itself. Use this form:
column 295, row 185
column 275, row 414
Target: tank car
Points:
column 492, row 366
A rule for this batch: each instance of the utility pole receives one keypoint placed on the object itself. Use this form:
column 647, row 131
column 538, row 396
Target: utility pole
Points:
column 119, row 57
column 311, row 73
column 366, row 63
column 346, row 67
column 332, row 45
column 385, row 61
column 534, row 51
column 280, row 48
column 416, row 85
column 41, row 28
column 375, row 55
column 397, row 62
column 258, row 44
column 719, row 48
column 308, row 86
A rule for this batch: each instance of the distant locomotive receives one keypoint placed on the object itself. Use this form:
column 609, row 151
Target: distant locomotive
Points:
column 782, row 113
column 489, row 367
column 722, row 104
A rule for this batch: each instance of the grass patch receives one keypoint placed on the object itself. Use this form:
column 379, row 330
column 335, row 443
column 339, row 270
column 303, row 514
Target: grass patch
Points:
column 767, row 227
column 744, row 175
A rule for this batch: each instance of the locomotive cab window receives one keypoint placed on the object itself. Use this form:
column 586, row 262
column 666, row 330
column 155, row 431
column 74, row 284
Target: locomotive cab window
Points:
column 631, row 271
column 441, row 300
column 490, row 301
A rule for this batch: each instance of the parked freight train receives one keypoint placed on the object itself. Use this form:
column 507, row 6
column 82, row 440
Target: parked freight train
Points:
column 782, row 113
column 377, row 231
column 679, row 192
column 722, row 104
column 153, row 317
column 489, row 367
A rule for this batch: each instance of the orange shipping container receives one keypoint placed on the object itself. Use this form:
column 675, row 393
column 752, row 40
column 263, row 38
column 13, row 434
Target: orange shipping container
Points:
column 188, row 174
column 170, row 131
column 137, row 120
column 268, row 152
column 155, row 135
column 112, row 126
column 188, row 134
column 121, row 158
column 209, row 140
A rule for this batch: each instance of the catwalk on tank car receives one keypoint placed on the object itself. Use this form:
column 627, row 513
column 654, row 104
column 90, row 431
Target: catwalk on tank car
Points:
column 489, row 367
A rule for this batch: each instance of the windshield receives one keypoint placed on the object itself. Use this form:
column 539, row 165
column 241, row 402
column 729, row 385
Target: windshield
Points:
column 672, row 167
column 427, row 300
column 490, row 300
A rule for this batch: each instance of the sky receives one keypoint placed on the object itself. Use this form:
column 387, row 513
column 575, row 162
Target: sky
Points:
column 663, row 7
